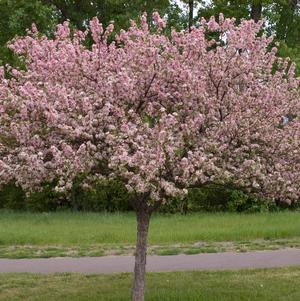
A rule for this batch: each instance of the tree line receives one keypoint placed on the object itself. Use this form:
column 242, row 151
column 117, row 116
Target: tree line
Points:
column 282, row 17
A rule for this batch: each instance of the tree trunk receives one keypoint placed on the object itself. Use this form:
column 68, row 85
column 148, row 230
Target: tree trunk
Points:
column 256, row 10
column 143, row 218
column 191, row 14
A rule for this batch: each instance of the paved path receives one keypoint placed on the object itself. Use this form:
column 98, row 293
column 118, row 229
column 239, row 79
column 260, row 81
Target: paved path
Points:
column 117, row 264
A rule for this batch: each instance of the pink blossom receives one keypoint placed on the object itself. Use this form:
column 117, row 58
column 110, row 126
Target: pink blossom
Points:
column 163, row 113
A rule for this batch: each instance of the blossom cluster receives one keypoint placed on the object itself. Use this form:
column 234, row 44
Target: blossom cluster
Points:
column 161, row 112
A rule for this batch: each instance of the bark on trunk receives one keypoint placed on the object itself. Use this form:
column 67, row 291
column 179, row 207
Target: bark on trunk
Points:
column 191, row 14
column 256, row 11
column 143, row 218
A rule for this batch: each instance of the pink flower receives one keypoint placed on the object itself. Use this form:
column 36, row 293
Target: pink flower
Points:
column 161, row 112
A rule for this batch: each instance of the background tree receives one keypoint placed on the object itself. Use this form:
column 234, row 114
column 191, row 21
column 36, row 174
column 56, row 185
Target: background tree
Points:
column 161, row 113
column 282, row 20
column 191, row 14
column 80, row 12
column 256, row 10
column 237, row 9
column 282, row 16
column 285, row 29
column 17, row 16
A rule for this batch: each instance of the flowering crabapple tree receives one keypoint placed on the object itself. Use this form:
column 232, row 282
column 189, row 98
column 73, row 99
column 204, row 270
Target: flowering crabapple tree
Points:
column 163, row 113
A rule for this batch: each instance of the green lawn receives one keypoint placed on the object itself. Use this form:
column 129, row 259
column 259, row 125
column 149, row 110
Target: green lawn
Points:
column 247, row 285
column 28, row 235
column 92, row 228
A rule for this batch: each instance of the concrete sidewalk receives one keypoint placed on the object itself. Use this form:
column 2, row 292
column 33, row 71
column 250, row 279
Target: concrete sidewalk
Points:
column 117, row 264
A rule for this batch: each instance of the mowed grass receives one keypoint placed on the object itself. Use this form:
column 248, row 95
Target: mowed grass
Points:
column 247, row 285
column 67, row 228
